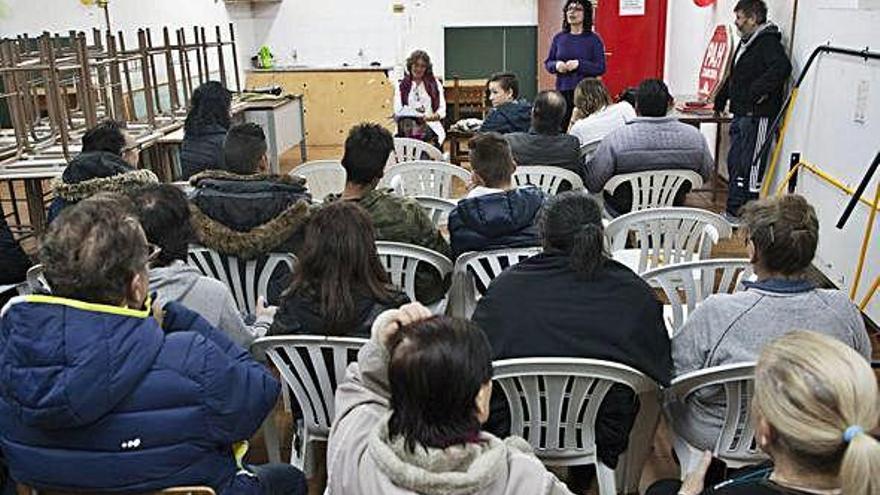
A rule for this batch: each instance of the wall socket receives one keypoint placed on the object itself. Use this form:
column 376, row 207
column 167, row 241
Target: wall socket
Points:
column 861, row 114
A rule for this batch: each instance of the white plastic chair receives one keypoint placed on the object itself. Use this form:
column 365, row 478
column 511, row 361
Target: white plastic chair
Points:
column 664, row 236
column 474, row 271
column 736, row 442
column 322, row 177
column 246, row 279
column 654, row 188
column 312, row 366
column 401, row 261
column 588, row 150
column 547, row 178
column 696, row 281
column 410, row 150
column 438, row 209
column 554, row 404
column 425, row 178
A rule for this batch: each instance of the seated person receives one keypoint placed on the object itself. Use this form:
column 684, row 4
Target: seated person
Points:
column 395, row 218
column 595, row 116
column 108, row 163
column 164, row 214
column 102, row 393
column 814, row 408
column 652, row 141
column 339, row 286
column 408, row 416
column 545, row 143
column 421, row 98
column 495, row 214
column 574, row 301
column 205, row 128
column 782, row 235
column 508, row 113
column 14, row 261
column 243, row 211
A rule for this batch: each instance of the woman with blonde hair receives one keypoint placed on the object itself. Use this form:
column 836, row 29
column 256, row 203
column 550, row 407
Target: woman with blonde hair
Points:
column 595, row 115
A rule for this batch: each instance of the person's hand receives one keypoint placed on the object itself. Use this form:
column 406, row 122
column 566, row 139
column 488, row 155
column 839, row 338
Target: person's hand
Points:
column 561, row 66
column 263, row 311
column 405, row 315
column 695, row 481
column 572, row 65
column 158, row 311
column 431, row 117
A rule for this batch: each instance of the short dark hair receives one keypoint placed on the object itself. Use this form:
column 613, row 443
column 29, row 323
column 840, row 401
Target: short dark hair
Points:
column 107, row 136
column 753, row 8
column 367, row 149
column 548, row 112
column 436, row 370
column 784, row 231
column 491, row 158
column 244, row 146
column 507, row 81
column 163, row 212
column 653, row 98
column 571, row 224
column 93, row 250
column 588, row 15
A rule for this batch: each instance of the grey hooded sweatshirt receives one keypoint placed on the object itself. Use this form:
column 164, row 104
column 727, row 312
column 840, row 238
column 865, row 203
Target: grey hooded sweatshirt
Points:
column 207, row 297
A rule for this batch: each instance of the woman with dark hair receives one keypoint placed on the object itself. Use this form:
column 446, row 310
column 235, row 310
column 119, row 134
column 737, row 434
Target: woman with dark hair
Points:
column 419, row 97
column 508, row 113
column 595, row 116
column 576, row 52
column 339, row 286
column 408, row 416
column 205, row 129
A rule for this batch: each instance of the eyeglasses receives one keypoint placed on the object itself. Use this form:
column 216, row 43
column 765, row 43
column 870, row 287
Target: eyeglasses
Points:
column 575, row 8
column 153, row 251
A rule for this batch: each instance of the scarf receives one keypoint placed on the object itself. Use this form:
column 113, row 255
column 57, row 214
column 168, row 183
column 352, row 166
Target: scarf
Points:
column 431, row 87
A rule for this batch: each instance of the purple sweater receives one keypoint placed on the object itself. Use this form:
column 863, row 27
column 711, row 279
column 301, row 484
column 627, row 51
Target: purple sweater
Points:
column 586, row 48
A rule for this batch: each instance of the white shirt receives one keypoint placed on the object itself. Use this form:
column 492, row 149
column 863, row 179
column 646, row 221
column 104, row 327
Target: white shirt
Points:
column 597, row 125
column 482, row 191
column 420, row 102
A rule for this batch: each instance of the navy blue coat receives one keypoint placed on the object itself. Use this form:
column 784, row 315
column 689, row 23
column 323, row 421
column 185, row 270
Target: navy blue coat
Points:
column 100, row 397
column 202, row 150
column 514, row 116
column 496, row 221
column 13, row 261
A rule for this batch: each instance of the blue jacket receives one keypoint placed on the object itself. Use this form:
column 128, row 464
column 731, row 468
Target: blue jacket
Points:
column 100, row 397
column 496, row 221
column 514, row 116
column 201, row 150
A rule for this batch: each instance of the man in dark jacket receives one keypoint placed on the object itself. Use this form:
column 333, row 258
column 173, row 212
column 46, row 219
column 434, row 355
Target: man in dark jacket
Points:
column 545, row 143
column 495, row 214
column 508, row 113
column 755, row 88
column 13, row 261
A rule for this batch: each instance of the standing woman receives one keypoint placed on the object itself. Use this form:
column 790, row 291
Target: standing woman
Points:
column 205, row 129
column 420, row 91
column 577, row 52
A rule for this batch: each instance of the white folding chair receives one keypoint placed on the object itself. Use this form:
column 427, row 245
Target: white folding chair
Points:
column 547, row 178
column 425, row 178
column 246, row 279
column 664, row 236
column 654, row 188
column 688, row 284
column 312, row 366
column 401, row 261
column 736, row 442
column 410, row 150
column 438, row 209
column 588, row 150
column 554, row 404
column 474, row 271
column 322, row 177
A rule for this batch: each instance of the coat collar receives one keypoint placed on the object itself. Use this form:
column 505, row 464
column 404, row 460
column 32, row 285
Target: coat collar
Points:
column 209, row 175
column 781, row 285
column 115, row 184
column 257, row 241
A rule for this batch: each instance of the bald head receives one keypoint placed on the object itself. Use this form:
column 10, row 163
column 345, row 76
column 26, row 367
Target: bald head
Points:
column 548, row 112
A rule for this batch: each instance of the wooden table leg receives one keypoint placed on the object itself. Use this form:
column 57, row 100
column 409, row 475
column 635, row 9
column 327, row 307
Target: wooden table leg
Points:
column 36, row 208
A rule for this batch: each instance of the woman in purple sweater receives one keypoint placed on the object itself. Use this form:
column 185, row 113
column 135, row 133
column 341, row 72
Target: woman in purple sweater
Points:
column 577, row 52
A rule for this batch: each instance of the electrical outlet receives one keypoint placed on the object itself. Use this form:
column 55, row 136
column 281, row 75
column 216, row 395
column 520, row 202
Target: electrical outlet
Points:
column 861, row 113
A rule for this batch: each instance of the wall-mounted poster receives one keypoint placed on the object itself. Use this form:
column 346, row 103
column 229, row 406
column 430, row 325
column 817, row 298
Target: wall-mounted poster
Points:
column 632, row 7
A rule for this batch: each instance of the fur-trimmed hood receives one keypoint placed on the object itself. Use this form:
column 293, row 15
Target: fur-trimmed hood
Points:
column 204, row 178
column 121, row 183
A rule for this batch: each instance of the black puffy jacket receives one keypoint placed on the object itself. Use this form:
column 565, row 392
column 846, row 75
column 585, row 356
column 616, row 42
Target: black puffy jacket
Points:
column 13, row 262
column 494, row 221
column 202, row 150
column 514, row 116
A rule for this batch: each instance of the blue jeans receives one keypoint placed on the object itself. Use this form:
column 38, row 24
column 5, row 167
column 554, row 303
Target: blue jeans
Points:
column 280, row 479
column 747, row 136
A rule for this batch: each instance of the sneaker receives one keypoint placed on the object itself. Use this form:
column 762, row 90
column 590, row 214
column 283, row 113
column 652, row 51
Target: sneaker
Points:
column 732, row 219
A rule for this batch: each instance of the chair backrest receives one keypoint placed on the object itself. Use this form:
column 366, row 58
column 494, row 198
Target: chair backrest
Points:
column 246, row 279
column 425, row 178
column 438, row 209
column 546, row 177
column 654, row 188
column 410, row 150
column 668, row 235
column 322, row 177
column 36, row 280
column 312, row 366
column 737, row 439
column 401, row 261
column 178, row 490
column 474, row 271
column 688, row 284
column 589, row 149
column 554, row 402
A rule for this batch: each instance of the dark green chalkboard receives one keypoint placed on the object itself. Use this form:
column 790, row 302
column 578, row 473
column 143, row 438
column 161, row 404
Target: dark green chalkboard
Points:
column 477, row 52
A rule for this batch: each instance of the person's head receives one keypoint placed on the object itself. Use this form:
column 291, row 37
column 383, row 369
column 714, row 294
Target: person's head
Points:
column 571, row 224
column 244, row 150
column 419, row 65
column 163, row 212
column 210, row 104
column 653, row 98
column 96, row 251
column 750, row 14
column 577, row 13
column 491, row 160
column 110, row 136
column 338, row 263
column 815, row 403
column 590, row 96
column 782, row 234
column 367, row 149
column 628, row 95
column 502, row 88
column 548, row 112
column 441, row 382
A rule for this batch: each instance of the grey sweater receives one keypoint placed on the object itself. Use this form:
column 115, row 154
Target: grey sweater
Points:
column 733, row 328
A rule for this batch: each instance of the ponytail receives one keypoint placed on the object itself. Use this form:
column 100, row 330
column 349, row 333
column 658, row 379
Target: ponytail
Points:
column 587, row 249
column 860, row 469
